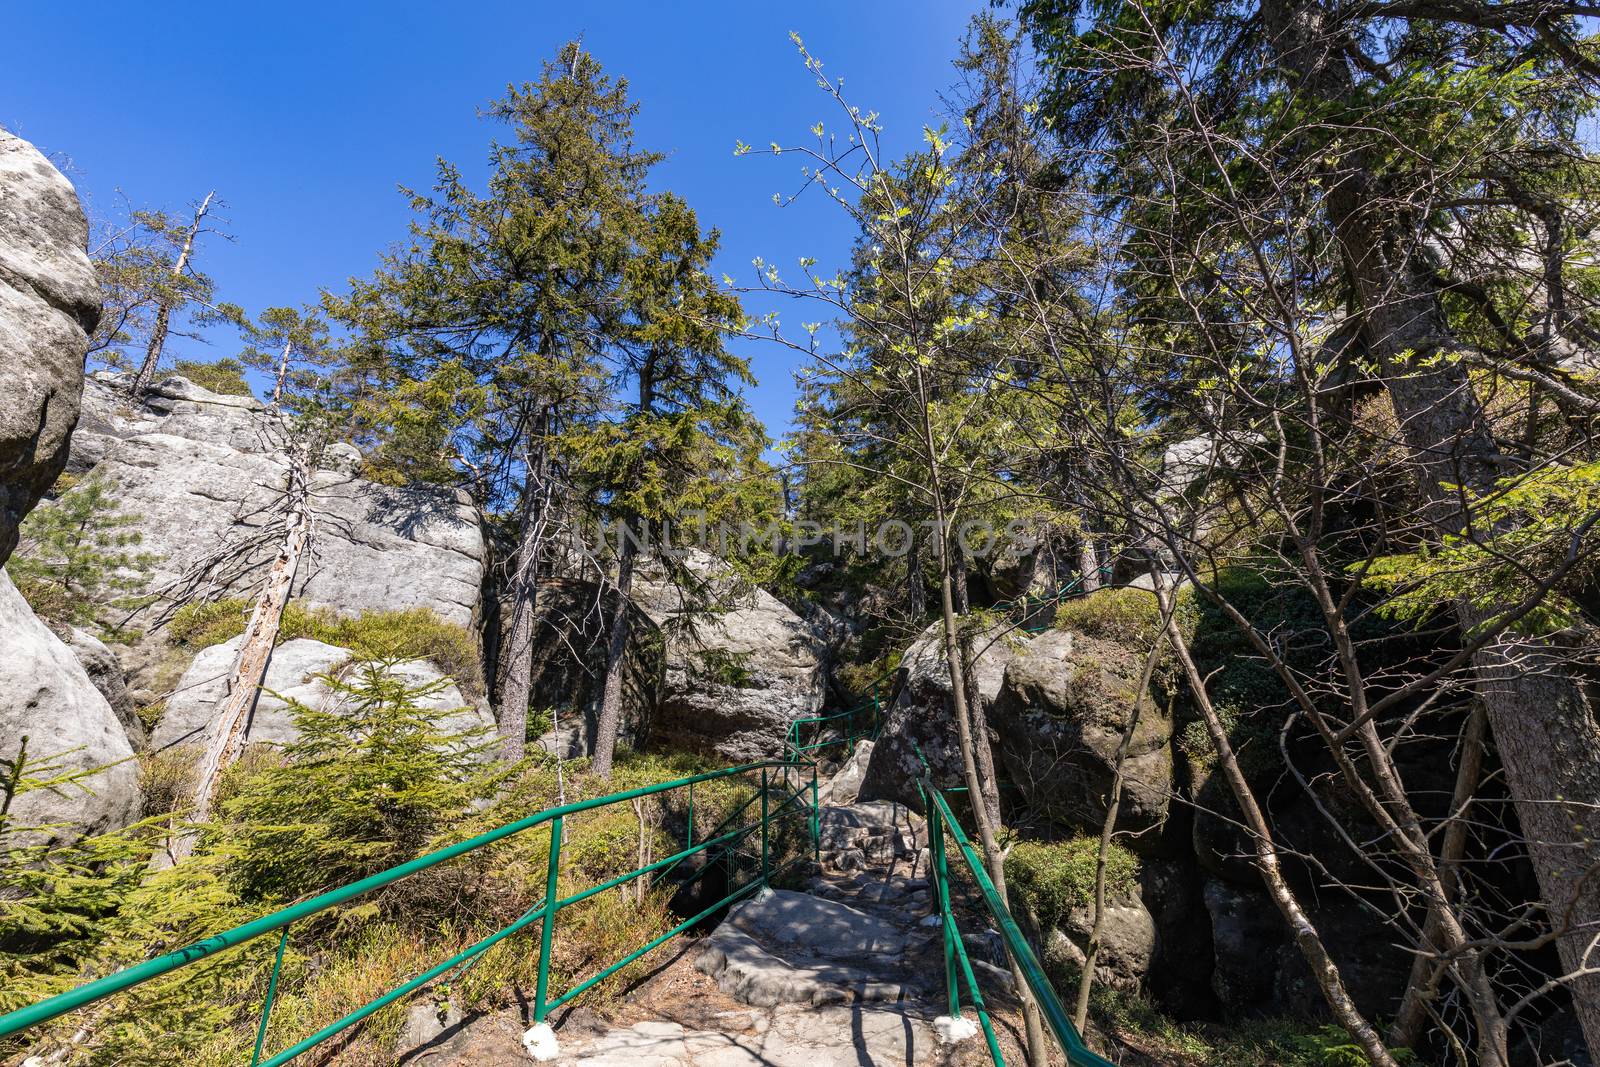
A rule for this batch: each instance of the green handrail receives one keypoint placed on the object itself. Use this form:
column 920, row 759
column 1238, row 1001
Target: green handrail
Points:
column 544, row 912
column 940, row 822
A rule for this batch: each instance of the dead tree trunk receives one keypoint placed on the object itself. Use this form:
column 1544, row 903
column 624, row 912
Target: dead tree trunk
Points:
column 225, row 736
column 163, row 322
column 283, row 373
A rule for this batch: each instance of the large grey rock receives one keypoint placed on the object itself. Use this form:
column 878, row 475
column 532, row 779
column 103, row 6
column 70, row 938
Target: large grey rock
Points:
column 1128, row 942
column 790, row 1035
column 1060, row 716
column 47, row 697
column 922, row 714
column 296, row 674
column 105, row 671
column 782, row 947
column 201, row 472
column 845, row 785
column 49, row 304
column 735, row 678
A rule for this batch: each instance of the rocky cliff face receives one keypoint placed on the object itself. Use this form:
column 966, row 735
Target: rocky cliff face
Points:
column 200, row 471
column 49, row 304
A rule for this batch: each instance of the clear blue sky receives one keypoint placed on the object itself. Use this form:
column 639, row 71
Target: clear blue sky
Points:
column 305, row 117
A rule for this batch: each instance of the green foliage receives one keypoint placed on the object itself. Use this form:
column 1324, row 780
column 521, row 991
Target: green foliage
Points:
column 363, row 787
column 76, row 556
column 1055, row 877
column 224, row 376
column 1522, row 536
column 410, row 633
column 292, row 348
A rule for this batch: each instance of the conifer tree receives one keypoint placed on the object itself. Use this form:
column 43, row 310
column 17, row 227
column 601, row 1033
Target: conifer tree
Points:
column 489, row 327
column 685, row 443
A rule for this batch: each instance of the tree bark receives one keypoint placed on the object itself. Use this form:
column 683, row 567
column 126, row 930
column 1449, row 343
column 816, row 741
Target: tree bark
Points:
column 283, row 373
column 609, row 725
column 158, row 330
column 516, row 664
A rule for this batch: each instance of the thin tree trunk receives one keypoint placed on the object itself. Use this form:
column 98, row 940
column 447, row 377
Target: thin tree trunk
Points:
column 610, row 721
column 1412, row 1018
column 1305, row 934
column 1091, row 952
column 966, row 738
column 159, row 329
column 516, row 664
column 225, row 736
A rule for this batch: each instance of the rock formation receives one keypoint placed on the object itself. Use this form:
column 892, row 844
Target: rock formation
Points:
column 1060, row 716
column 736, row 677
column 47, row 697
column 198, row 469
column 49, row 304
column 297, row 673
column 921, row 714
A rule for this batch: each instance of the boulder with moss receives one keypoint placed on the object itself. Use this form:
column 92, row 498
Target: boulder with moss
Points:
column 1061, row 714
column 298, row 674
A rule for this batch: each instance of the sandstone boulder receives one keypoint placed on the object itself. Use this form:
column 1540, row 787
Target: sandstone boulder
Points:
column 200, row 472
column 733, row 678
column 105, row 671
column 922, row 714
column 297, row 673
column 1060, row 716
column 49, row 304
column 47, row 697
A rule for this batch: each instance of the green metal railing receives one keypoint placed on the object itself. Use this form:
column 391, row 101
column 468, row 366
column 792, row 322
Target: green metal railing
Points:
column 820, row 727
column 957, row 965
column 790, row 780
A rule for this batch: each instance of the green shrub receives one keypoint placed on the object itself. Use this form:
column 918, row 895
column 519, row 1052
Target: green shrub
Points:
column 77, row 555
column 224, row 377
column 1054, row 877
column 362, row 788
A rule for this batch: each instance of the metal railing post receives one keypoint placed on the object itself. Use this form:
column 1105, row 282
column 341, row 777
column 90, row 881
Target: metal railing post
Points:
column 272, row 994
column 941, row 887
column 816, row 820
column 552, row 902
column 763, row 826
column 691, row 815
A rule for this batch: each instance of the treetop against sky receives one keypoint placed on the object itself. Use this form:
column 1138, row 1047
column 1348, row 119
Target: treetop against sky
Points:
column 307, row 118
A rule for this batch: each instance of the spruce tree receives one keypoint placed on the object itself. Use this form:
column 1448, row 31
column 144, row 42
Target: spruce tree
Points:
column 486, row 332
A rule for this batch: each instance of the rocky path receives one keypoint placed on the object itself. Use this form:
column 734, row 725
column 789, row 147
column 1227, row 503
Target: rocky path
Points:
column 847, row 970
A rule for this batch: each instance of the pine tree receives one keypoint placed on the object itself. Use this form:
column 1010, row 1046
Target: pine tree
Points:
column 686, row 443
column 293, row 349
column 77, row 556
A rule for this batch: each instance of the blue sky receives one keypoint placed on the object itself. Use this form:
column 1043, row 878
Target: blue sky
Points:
column 305, row 117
